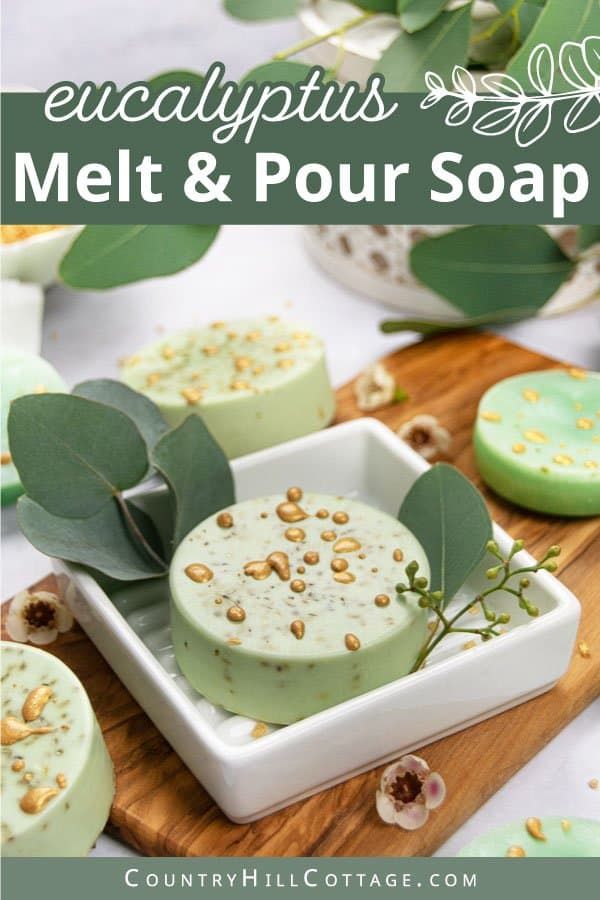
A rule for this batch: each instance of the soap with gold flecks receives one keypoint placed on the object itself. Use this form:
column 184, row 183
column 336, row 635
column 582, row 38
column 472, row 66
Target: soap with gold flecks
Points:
column 57, row 776
column 285, row 605
column 537, row 441
column 539, row 836
column 255, row 382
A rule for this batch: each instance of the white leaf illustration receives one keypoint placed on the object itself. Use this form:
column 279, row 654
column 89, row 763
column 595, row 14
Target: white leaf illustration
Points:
column 574, row 67
column 584, row 114
column 534, row 124
column 459, row 112
column 502, row 85
column 541, row 69
column 463, row 81
column 591, row 54
column 434, row 82
column 430, row 100
column 498, row 120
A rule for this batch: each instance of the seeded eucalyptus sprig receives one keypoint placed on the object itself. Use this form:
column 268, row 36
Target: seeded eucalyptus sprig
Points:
column 508, row 580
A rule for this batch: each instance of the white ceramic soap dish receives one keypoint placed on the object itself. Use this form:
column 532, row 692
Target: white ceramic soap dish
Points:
column 249, row 777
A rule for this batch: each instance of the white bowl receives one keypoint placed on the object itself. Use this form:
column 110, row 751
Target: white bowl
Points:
column 37, row 258
column 249, row 778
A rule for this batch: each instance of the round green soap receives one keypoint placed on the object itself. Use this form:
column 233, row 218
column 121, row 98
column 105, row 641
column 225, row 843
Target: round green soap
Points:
column 255, row 382
column 284, row 607
column 537, row 441
column 21, row 373
column 561, row 837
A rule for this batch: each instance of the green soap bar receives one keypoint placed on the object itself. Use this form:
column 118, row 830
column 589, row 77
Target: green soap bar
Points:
column 280, row 645
column 564, row 837
column 21, row 373
column 58, row 786
column 255, row 382
column 537, row 441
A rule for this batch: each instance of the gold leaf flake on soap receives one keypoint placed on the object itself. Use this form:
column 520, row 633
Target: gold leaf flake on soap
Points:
column 344, row 577
column 339, row 565
column 585, row 424
column 18, row 764
column 398, row 555
column 217, row 325
column 259, row 730
column 285, row 363
column 346, row 545
column 282, row 347
column 199, row 573
column 258, row 569
column 298, row 629
column 236, row 614
column 322, row 513
column 562, row 459
column 535, row 828
column 225, row 520
column 382, row 600
column 40, row 389
column 167, row 352
column 351, row 642
column 210, row 350
column 295, row 534
column 469, row 645
column 242, row 362
column 233, row 642
column 515, row 851
column 290, row 512
column 565, row 824
column 5, row 459
column 294, row 494
column 36, row 799
column 535, row 436
column 298, row 586
column 519, row 448
column 258, row 369
column 530, row 395
column 579, row 374
column 152, row 378
column 131, row 360
column 490, row 416
column 35, row 702
column 583, row 650
column 328, row 536
column 61, row 780
column 192, row 396
column 594, row 784
column 280, row 563
column 340, row 518
column 239, row 385
column 311, row 558
column 11, row 731
column 590, row 464
column 253, row 336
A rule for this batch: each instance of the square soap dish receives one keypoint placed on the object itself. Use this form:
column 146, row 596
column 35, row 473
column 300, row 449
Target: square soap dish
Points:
column 249, row 777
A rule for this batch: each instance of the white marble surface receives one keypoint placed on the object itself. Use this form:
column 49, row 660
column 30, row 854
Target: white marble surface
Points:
column 249, row 270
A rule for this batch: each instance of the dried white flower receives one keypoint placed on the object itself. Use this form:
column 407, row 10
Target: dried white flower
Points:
column 408, row 791
column 425, row 435
column 37, row 618
column 374, row 388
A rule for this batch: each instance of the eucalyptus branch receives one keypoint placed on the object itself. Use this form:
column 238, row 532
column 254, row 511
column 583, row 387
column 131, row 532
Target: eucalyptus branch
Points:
column 502, row 573
column 340, row 31
column 137, row 533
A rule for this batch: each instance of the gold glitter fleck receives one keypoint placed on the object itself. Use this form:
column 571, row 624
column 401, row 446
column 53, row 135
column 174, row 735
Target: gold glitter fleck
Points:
column 241, row 363
column 36, row 799
column 225, row 520
column 295, row 534
column 236, row 614
column 285, row 363
column 328, row 535
column 590, row 464
column 351, row 642
column 35, row 702
column 40, row 389
column 535, row 828
column 311, row 558
column 583, row 650
column 5, row 459
column 210, row 350
column 239, row 385
column 301, row 570
column 199, row 573
column 253, row 336
column 579, row 374
column 232, row 335
column 530, row 395
column 340, row 518
column 578, row 406
column 218, row 600
column 519, row 448
column 191, row 396
column 258, row 369
column 167, row 352
column 290, row 512
column 594, row 784
column 562, row 459
column 264, row 515
column 297, row 586
column 565, row 824
column 322, row 513
column 218, row 325
column 61, row 780
column 282, row 347
column 234, row 642
column 398, row 555
column 259, row 730
column 298, row 629
column 18, row 765
column 469, row 645
column 344, row 577
column 382, row 600
column 280, row 564
column 259, row 569
column 134, row 360
column 515, row 850
column 346, row 545
column 339, row 565
column 535, row 436
column 152, row 378
column 294, row 494
column 490, row 416
column 585, row 424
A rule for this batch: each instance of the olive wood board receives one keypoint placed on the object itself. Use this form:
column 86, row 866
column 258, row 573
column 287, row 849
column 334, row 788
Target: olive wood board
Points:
column 161, row 810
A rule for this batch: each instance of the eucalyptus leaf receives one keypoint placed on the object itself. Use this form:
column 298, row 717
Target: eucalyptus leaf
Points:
column 177, row 78
column 197, row 471
column 139, row 408
column 484, row 268
column 430, row 327
column 439, row 47
column 278, row 70
column 558, row 20
column 72, row 454
column 100, row 541
column 418, row 14
column 256, row 10
column 378, row 6
column 588, row 235
column 447, row 514
column 105, row 256
column 145, row 525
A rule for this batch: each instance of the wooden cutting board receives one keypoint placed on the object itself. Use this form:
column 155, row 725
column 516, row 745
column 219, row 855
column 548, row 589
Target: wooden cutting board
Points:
column 162, row 810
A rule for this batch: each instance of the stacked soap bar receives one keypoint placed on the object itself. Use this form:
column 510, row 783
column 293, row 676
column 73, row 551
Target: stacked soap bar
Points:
column 255, row 382
column 537, row 441
column 57, row 776
column 284, row 606
column 21, row 373
column 549, row 836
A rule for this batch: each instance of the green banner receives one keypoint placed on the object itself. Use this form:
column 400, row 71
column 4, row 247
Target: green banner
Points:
column 488, row 879
column 102, row 155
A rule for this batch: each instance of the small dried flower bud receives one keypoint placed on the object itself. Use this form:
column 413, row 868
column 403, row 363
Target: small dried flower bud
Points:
column 517, row 547
column 401, row 588
column 524, row 582
column 421, row 582
column 412, row 568
column 550, row 566
column 553, row 551
column 492, row 547
column 503, row 619
column 437, row 596
column 489, row 615
column 493, row 572
column 423, row 602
